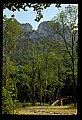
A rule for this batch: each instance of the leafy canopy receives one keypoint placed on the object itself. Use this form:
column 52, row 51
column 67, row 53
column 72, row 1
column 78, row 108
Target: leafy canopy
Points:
column 38, row 7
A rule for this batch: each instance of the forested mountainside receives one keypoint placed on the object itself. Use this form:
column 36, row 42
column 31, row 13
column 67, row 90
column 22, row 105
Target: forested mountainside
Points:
column 40, row 66
column 44, row 33
column 35, row 57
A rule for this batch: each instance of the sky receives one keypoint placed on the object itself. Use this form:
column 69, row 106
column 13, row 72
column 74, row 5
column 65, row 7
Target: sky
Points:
column 29, row 16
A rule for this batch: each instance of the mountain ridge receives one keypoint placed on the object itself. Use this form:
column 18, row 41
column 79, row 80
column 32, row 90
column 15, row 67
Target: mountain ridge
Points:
column 44, row 30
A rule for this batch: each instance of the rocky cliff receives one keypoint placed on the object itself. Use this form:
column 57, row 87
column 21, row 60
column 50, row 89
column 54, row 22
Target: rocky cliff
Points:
column 44, row 30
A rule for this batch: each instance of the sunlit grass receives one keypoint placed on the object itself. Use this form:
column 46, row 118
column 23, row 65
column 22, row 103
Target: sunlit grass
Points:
column 46, row 109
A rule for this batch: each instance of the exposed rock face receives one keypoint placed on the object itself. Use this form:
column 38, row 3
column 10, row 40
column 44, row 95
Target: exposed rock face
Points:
column 44, row 31
column 26, row 27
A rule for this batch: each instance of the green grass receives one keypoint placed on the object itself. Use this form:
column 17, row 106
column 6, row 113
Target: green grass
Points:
column 24, row 104
column 71, row 106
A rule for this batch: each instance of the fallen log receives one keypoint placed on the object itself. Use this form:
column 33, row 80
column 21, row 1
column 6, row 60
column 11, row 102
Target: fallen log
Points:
column 55, row 102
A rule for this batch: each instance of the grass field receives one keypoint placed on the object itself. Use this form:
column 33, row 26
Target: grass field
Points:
column 46, row 110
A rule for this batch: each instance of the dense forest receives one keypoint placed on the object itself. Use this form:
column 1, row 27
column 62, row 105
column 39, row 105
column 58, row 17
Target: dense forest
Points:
column 43, row 71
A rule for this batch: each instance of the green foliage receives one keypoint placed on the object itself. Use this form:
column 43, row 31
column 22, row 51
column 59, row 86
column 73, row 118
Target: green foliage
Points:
column 7, row 103
column 11, row 31
column 67, row 18
column 34, row 73
column 38, row 7
column 17, row 105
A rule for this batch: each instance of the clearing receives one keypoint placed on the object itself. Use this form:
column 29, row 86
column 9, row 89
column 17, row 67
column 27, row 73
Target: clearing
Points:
column 46, row 110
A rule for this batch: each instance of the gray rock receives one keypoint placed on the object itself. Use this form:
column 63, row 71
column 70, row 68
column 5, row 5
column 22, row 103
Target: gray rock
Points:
column 44, row 31
column 26, row 27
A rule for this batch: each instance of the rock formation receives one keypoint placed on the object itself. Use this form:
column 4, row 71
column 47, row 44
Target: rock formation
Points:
column 44, row 31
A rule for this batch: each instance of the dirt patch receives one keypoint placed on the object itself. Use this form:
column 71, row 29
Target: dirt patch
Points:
column 46, row 110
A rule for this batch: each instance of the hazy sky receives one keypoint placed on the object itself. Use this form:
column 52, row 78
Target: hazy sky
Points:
column 30, row 15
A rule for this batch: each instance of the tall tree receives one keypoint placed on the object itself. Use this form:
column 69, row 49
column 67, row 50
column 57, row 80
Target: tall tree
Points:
column 67, row 20
column 11, row 31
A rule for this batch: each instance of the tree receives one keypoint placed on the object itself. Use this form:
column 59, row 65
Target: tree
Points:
column 38, row 7
column 11, row 31
column 66, row 20
column 9, row 91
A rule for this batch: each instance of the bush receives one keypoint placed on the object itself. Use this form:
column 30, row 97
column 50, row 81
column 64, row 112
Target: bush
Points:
column 7, row 103
column 21, row 105
column 17, row 104
column 24, row 104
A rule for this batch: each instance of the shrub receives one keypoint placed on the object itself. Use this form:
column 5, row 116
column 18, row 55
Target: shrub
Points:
column 7, row 103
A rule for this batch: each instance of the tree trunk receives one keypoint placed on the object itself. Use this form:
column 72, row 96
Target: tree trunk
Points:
column 45, row 81
column 73, row 78
column 40, row 94
column 40, row 87
column 74, row 89
column 32, row 92
column 59, row 84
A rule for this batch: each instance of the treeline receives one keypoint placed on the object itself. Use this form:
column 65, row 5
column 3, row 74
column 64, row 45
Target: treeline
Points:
column 39, row 72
